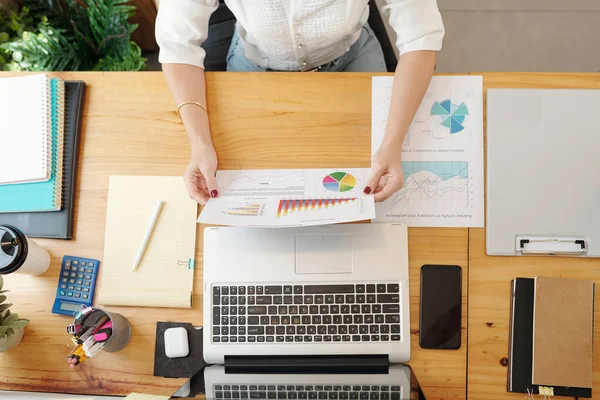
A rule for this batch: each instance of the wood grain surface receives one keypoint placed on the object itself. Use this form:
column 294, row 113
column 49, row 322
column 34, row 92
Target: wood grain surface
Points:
column 489, row 277
column 267, row 120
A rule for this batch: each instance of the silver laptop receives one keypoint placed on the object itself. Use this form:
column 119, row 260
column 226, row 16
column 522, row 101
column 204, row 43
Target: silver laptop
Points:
column 397, row 383
column 332, row 290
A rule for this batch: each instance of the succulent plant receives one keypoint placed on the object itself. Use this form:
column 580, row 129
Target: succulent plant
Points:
column 8, row 322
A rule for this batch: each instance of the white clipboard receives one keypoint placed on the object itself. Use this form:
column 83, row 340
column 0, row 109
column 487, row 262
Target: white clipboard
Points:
column 543, row 172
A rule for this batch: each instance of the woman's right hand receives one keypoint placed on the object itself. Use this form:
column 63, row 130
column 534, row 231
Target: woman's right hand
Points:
column 200, row 173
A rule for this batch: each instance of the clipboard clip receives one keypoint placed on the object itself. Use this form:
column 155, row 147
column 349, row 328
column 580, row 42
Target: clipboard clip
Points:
column 552, row 246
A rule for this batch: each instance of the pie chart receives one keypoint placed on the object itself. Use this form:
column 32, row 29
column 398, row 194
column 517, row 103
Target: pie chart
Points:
column 452, row 115
column 339, row 182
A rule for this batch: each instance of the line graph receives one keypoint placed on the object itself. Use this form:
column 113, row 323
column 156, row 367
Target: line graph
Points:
column 435, row 183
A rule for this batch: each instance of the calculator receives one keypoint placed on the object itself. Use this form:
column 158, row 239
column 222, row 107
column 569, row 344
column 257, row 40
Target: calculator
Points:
column 76, row 284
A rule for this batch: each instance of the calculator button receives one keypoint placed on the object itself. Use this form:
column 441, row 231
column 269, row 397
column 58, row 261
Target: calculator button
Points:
column 64, row 280
column 81, row 269
column 88, row 277
column 87, row 283
column 75, row 262
column 66, row 274
column 90, row 270
column 67, row 267
column 78, row 288
column 85, row 296
column 80, row 276
column 62, row 293
column 71, row 287
column 80, row 282
column 68, row 262
column 73, row 275
column 72, row 281
column 70, row 294
column 77, row 295
column 63, row 286
column 86, row 289
column 82, row 262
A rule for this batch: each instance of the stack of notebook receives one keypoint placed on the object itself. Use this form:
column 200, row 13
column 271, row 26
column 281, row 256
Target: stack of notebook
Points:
column 551, row 337
column 39, row 135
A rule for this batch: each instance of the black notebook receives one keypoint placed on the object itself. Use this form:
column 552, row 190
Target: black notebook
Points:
column 58, row 224
column 520, row 343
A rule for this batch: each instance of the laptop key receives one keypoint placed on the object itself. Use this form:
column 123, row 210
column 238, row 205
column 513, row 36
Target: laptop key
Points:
column 360, row 288
column 319, row 299
column 391, row 308
column 339, row 299
column 303, row 395
column 365, row 309
column 322, row 395
column 216, row 339
column 356, row 338
column 242, row 320
column 298, row 299
column 368, row 319
column 272, row 395
column 260, row 339
column 365, row 338
column 313, row 395
column 224, row 320
column 374, row 329
column 347, row 319
column 256, row 330
column 251, row 339
column 364, row 395
column 290, row 330
column 311, row 330
column 308, row 299
column 225, row 290
column 301, row 330
column 355, row 309
column 253, row 320
column 233, row 330
column 392, row 318
column 306, row 319
column 343, row 396
column 257, row 310
column 332, row 329
column 298, row 339
column 360, row 298
column 242, row 290
column 280, row 330
column 216, row 315
column 293, row 310
column 251, row 300
column 337, row 338
column 225, row 300
column 272, row 310
column 353, row 329
column 363, row 329
column 218, row 394
column 251, row 290
column 327, row 319
column 273, row 289
column 393, row 288
column 242, row 310
column 259, row 290
column 395, row 328
column 346, row 338
column 395, row 338
column 298, row 289
column 292, row 395
column 270, row 339
column 277, row 300
column 385, row 338
column 322, row 329
column 371, row 288
column 216, row 330
column 354, row 395
column 371, row 298
column 233, row 290
column 258, row 395
column 374, row 396
column 225, row 339
column 358, row 319
column 264, row 320
column 283, row 309
column 289, row 339
column 281, row 395
column 333, row 395
column 270, row 330
column 349, row 299
column 395, row 396
column 318, row 338
column 376, row 308
column 287, row 290
column 379, row 319
column 342, row 330
column 374, row 338
column 388, row 298
column 261, row 300
column 241, row 339
column 329, row 299
column 216, row 296
column 280, row 339
column 385, row 396
column 286, row 320
column 253, row 387
column 381, row 288
column 324, row 309
column 308, row 338
column 288, row 300
column 327, row 338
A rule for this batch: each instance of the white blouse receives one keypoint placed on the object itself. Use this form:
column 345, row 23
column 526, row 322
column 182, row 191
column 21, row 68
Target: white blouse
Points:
column 292, row 34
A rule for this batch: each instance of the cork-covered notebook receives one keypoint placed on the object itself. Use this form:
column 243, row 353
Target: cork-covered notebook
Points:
column 563, row 332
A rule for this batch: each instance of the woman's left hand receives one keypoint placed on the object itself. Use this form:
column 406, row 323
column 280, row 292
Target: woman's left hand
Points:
column 386, row 175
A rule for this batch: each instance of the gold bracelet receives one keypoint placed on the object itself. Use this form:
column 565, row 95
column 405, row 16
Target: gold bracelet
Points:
column 190, row 102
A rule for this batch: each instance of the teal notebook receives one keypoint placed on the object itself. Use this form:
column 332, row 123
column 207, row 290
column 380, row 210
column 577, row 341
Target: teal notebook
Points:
column 42, row 196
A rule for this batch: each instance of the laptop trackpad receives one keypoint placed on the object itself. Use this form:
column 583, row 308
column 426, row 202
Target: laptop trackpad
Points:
column 323, row 254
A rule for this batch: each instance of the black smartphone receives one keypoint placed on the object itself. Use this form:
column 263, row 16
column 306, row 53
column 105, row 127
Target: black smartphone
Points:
column 441, row 307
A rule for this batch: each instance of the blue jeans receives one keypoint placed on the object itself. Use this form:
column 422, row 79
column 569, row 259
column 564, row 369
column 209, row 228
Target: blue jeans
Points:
column 365, row 55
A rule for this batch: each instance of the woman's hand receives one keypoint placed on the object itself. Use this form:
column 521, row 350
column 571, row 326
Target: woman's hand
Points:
column 386, row 175
column 200, row 173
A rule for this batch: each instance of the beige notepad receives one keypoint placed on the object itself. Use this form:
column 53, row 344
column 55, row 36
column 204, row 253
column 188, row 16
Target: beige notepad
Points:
column 165, row 276
column 563, row 332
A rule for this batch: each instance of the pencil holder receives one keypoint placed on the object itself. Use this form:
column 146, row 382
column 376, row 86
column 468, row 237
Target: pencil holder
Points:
column 121, row 332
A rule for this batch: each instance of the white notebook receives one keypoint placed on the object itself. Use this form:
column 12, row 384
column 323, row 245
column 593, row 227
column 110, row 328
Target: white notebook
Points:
column 165, row 276
column 25, row 131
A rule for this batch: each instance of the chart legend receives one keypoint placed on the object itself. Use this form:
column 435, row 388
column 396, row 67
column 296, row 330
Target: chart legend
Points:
column 339, row 182
column 251, row 210
column 290, row 206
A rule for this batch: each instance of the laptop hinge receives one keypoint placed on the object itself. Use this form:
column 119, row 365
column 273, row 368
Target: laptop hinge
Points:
column 334, row 364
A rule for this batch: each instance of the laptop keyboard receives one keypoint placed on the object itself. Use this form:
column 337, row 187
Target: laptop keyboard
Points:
column 360, row 392
column 306, row 313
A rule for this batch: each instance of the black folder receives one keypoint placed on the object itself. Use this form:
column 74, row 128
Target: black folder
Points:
column 58, row 224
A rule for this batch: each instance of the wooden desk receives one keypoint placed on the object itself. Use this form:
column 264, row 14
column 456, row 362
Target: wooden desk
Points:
column 489, row 277
column 258, row 121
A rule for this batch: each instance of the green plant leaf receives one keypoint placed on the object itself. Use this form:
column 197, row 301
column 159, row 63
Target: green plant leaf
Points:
column 5, row 307
column 22, row 323
column 3, row 330
column 10, row 320
column 2, row 298
column 9, row 332
column 1, row 282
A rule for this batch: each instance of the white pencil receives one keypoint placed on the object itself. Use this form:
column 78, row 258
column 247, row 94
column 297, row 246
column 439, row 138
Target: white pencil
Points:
column 149, row 231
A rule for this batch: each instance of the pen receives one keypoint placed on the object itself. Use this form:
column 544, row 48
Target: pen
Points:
column 140, row 254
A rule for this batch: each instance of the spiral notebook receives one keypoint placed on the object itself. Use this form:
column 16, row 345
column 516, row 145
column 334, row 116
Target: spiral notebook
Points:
column 41, row 196
column 25, row 130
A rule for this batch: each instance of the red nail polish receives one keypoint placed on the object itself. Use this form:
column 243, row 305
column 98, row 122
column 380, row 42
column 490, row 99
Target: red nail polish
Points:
column 214, row 194
column 367, row 190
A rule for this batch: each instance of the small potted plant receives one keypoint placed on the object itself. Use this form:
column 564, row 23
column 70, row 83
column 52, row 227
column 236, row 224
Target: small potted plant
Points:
column 11, row 327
